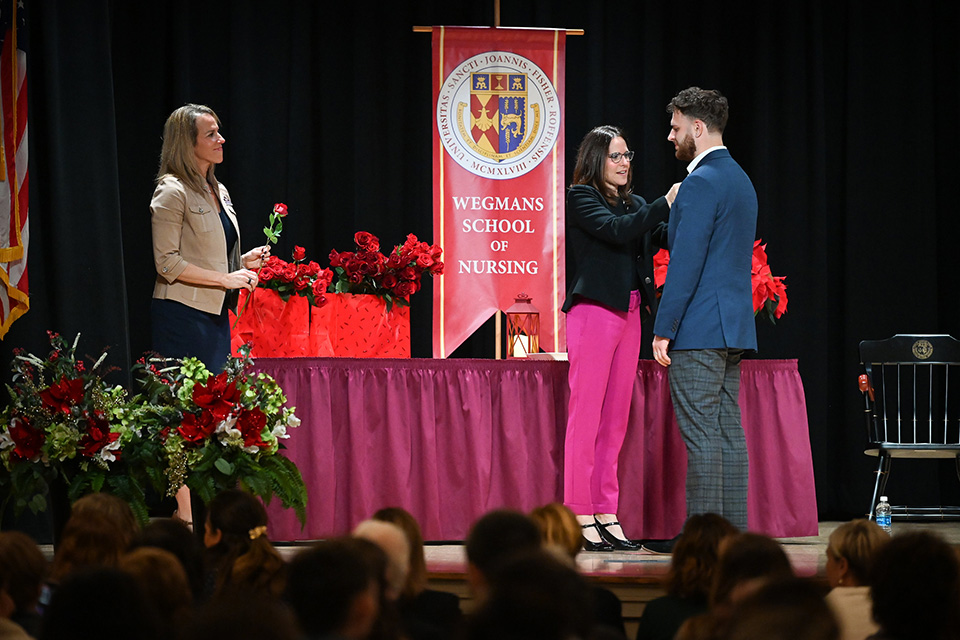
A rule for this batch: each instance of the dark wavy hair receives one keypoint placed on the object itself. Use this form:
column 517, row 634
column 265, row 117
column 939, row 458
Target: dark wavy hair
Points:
column 592, row 158
column 695, row 556
column 707, row 105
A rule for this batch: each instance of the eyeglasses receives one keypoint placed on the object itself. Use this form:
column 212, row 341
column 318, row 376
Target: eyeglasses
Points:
column 616, row 156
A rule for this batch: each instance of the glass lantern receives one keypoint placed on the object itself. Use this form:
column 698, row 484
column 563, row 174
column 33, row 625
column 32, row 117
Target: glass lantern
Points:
column 523, row 328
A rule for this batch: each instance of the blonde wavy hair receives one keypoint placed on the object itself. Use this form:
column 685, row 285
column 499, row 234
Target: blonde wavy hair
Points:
column 558, row 527
column 178, row 156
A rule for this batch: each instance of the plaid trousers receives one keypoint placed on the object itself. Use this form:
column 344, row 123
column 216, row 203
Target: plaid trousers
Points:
column 705, row 388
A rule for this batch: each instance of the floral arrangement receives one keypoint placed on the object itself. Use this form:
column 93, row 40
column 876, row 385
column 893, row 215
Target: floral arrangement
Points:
column 394, row 277
column 215, row 431
column 64, row 424
column 769, row 291
column 296, row 278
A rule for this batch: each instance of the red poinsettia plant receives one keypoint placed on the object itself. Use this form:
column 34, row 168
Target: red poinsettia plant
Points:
column 213, row 431
column 769, row 291
column 394, row 277
column 63, row 424
column 300, row 277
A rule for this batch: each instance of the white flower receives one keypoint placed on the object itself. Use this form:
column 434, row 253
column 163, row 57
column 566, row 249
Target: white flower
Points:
column 293, row 421
column 106, row 453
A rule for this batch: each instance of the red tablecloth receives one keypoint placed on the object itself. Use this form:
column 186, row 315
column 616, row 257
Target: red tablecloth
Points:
column 451, row 439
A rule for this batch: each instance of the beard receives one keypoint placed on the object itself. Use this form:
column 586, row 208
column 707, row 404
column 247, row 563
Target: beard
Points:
column 686, row 149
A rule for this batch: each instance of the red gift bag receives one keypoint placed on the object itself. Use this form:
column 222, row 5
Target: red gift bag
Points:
column 365, row 329
column 348, row 325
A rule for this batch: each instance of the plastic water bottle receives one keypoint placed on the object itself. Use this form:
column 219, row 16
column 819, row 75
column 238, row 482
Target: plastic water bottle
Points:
column 883, row 515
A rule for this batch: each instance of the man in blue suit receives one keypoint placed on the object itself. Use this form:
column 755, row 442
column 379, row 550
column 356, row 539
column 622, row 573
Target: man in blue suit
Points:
column 705, row 319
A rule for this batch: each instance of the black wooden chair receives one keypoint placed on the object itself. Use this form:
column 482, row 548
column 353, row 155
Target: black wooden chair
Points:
column 912, row 396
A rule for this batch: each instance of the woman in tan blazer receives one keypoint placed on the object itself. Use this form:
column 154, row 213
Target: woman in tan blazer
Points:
column 196, row 243
column 196, row 248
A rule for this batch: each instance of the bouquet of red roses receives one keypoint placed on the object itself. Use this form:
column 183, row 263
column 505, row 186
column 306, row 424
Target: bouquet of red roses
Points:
column 394, row 277
column 296, row 278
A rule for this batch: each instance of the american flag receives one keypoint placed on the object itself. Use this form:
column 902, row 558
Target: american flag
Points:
column 14, row 231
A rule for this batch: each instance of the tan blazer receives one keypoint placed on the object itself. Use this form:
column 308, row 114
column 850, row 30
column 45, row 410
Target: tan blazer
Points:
column 187, row 230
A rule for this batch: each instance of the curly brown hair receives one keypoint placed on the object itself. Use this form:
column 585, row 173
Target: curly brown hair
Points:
column 695, row 556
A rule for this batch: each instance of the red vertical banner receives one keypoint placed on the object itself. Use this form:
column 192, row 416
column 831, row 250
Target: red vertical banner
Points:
column 498, row 178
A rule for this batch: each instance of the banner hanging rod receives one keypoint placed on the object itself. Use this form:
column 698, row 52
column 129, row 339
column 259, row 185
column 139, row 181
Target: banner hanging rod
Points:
column 570, row 32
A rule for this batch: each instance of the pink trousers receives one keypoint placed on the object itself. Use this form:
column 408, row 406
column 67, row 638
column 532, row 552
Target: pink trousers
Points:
column 603, row 346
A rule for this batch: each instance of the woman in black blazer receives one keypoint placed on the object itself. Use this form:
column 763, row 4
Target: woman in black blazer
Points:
column 611, row 281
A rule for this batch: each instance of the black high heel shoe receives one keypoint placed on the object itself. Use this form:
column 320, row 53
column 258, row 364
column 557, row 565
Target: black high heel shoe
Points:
column 603, row 545
column 620, row 544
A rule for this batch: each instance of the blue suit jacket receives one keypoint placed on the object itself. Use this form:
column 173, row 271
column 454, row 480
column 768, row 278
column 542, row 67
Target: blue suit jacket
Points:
column 707, row 300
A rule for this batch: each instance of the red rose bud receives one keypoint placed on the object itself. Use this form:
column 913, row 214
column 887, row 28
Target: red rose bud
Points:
column 299, row 253
column 280, row 209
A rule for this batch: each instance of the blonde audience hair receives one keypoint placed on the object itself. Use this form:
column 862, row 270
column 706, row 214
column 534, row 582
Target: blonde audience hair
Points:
column 857, row 542
column 393, row 541
column 178, row 155
column 558, row 527
column 417, row 565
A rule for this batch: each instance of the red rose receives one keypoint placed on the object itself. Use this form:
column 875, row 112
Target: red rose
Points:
column 312, row 268
column 289, row 273
column 267, row 274
column 424, row 261
column 408, row 273
column 436, row 269
column 366, row 241
column 394, row 261
column 405, row 288
column 301, row 283
column 299, row 253
column 59, row 396
column 280, row 209
column 389, row 281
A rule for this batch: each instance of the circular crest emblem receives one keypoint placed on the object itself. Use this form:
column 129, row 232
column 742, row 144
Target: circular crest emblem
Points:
column 922, row 349
column 498, row 115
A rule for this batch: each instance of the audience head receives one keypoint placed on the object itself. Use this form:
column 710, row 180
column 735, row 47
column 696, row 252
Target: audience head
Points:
column 236, row 531
column 916, row 587
column 173, row 535
column 850, row 552
column 559, row 528
column 334, row 589
column 696, row 555
column 22, row 570
column 244, row 615
column 493, row 539
column 97, row 603
column 417, row 571
column 783, row 609
column 747, row 560
column 162, row 579
column 533, row 594
column 393, row 541
column 90, row 538
column 116, row 509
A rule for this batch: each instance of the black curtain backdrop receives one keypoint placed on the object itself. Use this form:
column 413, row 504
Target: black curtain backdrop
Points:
column 843, row 117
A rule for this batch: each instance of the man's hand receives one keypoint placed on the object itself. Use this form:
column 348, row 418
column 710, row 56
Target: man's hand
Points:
column 660, row 347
